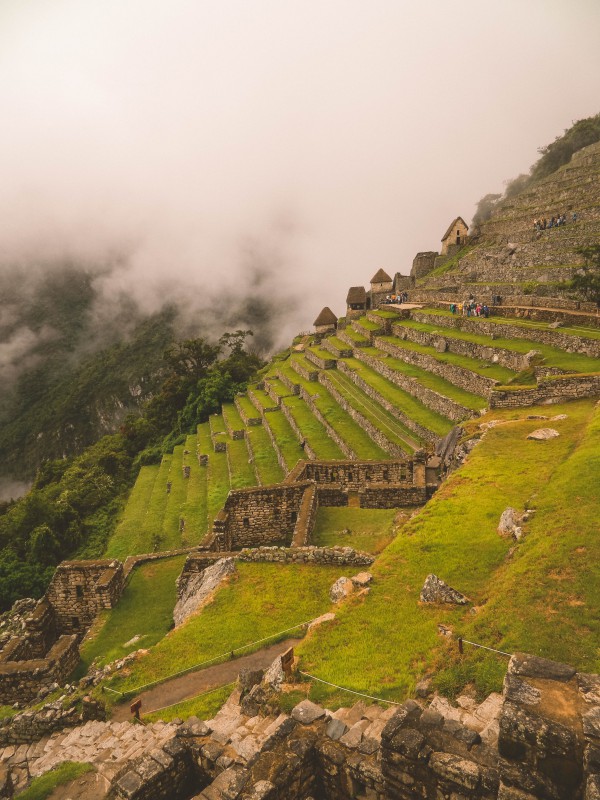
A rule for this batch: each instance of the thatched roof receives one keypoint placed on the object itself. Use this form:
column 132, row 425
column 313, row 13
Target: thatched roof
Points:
column 326, row 317
column 356, row 295
column 381, row 276
column 453, row 223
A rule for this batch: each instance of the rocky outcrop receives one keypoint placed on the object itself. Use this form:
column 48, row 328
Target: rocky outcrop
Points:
column 197, row 587
column 435, row 590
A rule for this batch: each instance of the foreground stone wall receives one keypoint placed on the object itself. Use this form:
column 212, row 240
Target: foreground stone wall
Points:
column 22, row 680
column 80, row 589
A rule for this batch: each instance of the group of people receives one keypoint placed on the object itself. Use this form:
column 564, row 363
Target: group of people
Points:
column 553, row 222
column 470, row 308
column 396, row 298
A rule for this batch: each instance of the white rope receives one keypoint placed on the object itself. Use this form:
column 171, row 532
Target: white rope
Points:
column 188, row 699
column 491, row 649
column 351, row 691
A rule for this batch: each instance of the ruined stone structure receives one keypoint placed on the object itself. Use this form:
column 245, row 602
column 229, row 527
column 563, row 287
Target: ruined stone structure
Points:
column 47, row 651
column 422, row 264
column 357, row 302
column 537, row 741
column 381, row 286
column 285, row 513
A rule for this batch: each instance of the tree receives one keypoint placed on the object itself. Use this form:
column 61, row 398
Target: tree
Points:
column 586, row 281
column 192, row 357
column 484, row 209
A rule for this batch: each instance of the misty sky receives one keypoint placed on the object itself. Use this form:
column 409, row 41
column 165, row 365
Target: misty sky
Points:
column 321, row 139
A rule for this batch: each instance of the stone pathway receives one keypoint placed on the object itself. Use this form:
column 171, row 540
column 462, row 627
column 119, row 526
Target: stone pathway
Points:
column 106, row 745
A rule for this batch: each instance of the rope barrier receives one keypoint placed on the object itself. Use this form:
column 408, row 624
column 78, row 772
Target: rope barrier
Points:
column 481, row 646
column 351, row 691
column 228, row 654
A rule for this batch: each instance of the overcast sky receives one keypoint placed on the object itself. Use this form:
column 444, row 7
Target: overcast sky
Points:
column 326, row 137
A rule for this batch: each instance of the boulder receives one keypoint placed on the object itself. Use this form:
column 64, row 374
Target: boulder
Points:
column 341, row 589
column 307, row 712
column 199, row 587
column 508, row 521
column 541, row 434
column 362, row 579
column 435, row 590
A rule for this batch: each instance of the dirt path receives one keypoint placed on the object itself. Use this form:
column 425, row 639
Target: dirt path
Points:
column 178, row 689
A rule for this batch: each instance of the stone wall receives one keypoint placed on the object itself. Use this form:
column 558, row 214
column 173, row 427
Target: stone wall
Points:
column 80, row 589
column 321, row 363
column 437, row 402
column 22, row 680
column 470, row 381
column 550, row 389
column 331, row 432
column 507, row 358
column 281, row 460
column 408, row 422
column 253, row 420
column 302, row 370
column 338, row 352
column 258, row 516
column 217, row 437
column 422, row 264
column 355, row 475
column 32, row 725
column 576, row 344
column 350, row 341
column 298, row 433
column 306, row 518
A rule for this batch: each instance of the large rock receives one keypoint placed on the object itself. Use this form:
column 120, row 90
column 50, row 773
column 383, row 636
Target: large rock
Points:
column 199, row 587
column 508, row 521
column 435, row 590
column 341, row 589
column 542, row 434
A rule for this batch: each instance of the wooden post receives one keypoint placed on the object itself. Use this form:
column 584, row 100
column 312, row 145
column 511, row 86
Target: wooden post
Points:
column 135, row 709
column 460, row 645
column 287, row 662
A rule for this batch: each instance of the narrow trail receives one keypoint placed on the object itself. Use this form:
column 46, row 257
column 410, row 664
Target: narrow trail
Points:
column 203, row 680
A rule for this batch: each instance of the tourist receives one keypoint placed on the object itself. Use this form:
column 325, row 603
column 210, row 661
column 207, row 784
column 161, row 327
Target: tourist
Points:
column 574, row 216
column 486, row 311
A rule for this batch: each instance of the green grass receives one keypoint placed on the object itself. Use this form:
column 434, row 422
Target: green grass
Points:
column 217, row 485
column 312, row 430
column 204, row 443
column 194, row 508
column 279, row 387
column 404, row 401
column 321, row 353
column 385, row 314
column 260, row 600
column 247, row 407
column 128, row 535
column 367, row 325
column 232, row 417
column 285, row 438
column 337, row 343
column 479, row 367
column 385, row 643
column 263, row 398
column 204, row 706
column 355, row 335
column 393, row 430
column 217, row 423
column 569, row 330
column 134, row 615
column 303, row 362
column 553, row 356
column 429, row 380
column 171, row 535
column 370, row 529
column 265, row 460
column 242, row 471
column 42, row 787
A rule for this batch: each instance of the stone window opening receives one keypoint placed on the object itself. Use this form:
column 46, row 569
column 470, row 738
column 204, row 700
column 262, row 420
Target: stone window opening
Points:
column 75, row 622
column 386, row 475
column 79, row 590
column 246, row 522
column 294, row 516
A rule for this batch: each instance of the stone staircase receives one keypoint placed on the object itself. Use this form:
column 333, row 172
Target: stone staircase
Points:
column 106, row 745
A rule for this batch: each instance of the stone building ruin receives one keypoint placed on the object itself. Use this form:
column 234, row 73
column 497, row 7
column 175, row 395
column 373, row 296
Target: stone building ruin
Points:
column 326, row 322
column 455, row 237
column 48, row 649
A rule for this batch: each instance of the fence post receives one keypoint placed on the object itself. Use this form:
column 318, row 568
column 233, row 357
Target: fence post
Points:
column 460, row 645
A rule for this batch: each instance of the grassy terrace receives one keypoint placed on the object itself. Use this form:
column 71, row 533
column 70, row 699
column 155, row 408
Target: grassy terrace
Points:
column 242, row 471
column 355, row 335
column 194, row 508
column 385, row 314
column 259, row 600
column 285, row 437
column 129, row 531
column 569, row 330
column 109, row 637
column 150, row 535
column 542, row 599
column 429, row 380
column 382, row 419
column 171, row 536
column 278, row 386
column 217, row 423
column 369, row 529
column 247, row 407
column 404, row 401
column 303, row 361
column 265, row 459
column 485, row 368
column 341, row 422
column 217, row 485
column 553, row 356
column 263, row 398
column 321, row 353
column 312, row 430
column 232, row 417
column 367, row 325
column 337, row 343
